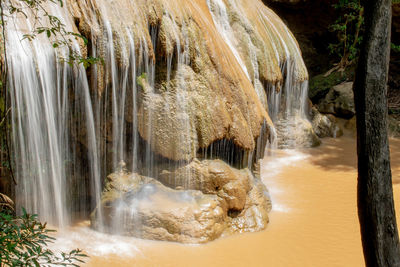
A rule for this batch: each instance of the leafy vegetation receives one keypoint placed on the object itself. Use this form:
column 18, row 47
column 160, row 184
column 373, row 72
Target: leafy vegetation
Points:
column 349, row 30
column 141, row 79
column 51, row 26
column 24, row 241
column 395, row 48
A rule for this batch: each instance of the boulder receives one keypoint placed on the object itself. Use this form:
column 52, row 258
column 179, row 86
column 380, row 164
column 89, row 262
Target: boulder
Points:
column 325, row 125
column 321, row 84
column 244, row 197
column 295, row 132
column 212, row 177
column 139, row 206
column 209, row 199
column 254, row 215
column 339, row 101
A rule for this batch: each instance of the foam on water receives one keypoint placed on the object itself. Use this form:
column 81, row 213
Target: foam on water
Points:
column 96, row 243
column 272, row 166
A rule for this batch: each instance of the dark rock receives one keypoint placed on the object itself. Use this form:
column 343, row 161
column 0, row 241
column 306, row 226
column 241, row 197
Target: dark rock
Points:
column 321, row 84
column 339, row 101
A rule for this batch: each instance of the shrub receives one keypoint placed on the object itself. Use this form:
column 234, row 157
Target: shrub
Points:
column 24, row 242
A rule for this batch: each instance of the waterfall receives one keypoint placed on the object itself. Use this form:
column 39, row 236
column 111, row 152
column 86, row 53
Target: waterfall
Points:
column 182, row 80
column 286, row 105
column 43, row 111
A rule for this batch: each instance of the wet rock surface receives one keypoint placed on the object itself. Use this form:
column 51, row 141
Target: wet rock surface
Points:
column 325, row 125
column 178, row 78
column 209, row 199
column 207, row 79
column 296, row 132
column 147, row 209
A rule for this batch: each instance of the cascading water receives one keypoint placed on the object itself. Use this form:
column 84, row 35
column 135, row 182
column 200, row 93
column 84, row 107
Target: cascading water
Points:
column 182, row 83
column 286, row 104
column 43, row 111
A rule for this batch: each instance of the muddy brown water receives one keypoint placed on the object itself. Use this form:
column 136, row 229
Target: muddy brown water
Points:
column 313, row 223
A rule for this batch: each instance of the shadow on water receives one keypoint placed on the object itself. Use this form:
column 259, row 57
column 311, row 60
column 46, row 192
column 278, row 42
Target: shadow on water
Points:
column 334, row 154
column 395, row 159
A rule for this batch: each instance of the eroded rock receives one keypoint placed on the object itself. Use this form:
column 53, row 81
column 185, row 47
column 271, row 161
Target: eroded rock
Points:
column 210, row 199
column 325, row 125
column 212, row 177
column 139, row 206
column 209, row 92
column 244, row 197
column 296, row 131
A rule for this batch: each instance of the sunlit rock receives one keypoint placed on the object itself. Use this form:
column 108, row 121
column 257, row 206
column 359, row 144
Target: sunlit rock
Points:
column 213, row 177
column 175, row 78
column 325, row 125
column 296, row 131
column 245, row 197
column 142, row 207
column 220, row 54
column 210, row 199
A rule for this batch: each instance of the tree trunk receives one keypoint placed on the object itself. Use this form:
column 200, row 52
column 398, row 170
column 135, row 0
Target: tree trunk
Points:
column 375, row 192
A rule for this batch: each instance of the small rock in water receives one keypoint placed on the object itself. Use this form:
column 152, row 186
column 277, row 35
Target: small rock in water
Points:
column 325, row 125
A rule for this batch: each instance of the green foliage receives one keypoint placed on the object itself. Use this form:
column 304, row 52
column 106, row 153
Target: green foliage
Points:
column 141, row 79
column 348, row 28
column 24, row 240
column 52, row 27
column 394, row 47
column 87, row 62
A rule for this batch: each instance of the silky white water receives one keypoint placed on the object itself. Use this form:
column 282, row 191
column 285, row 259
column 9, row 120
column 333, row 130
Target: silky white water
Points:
column 72, row 126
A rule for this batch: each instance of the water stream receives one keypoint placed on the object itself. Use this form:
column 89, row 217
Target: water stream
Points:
column 313, row 223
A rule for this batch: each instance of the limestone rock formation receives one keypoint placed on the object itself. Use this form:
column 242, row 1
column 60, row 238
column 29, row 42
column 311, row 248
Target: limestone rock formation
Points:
column 213, row 177
column 296, row 132
column 140, row 206
column 212, row 88
column 325, row 125
column 210, row 198
column 179, row 80
column 6, row 204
